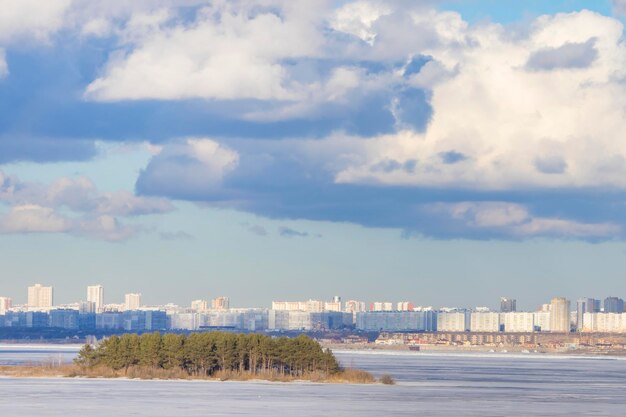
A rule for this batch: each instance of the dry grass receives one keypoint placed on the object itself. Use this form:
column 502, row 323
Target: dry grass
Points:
column 387, row 380
column 346, row 376
column 352, row 376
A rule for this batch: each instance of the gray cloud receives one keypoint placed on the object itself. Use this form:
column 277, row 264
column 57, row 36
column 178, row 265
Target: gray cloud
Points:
column 256, row 229
column 619, row 7
column 551, row 165
column 452, row 157
column 569, row 55
column 289, row 232
column 179, row 235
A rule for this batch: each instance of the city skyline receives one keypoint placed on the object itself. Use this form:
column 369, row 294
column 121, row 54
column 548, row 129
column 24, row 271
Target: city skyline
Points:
column 345, row 159
column 40, row 297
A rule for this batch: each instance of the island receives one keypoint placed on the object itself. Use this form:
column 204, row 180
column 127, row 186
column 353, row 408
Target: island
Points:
column 204, row 355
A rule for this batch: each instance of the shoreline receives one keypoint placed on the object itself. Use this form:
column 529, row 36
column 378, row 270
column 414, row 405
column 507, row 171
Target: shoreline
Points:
column 476, row 349
column 71, row 371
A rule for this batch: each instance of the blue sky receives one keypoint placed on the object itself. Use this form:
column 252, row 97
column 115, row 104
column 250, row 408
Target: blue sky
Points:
column 447, row 153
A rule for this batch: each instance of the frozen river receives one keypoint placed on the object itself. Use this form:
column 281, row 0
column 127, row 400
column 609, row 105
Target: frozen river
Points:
column 428, row 384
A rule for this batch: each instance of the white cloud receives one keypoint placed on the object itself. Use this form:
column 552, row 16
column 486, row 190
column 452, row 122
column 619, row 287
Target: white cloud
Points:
column 33, row 219
column 515, row 127
column 231, row 51
column 358, row 18
column 487, row 214
column 567, row 228
column 74, row 206
column 31, row 19
column 515, row 220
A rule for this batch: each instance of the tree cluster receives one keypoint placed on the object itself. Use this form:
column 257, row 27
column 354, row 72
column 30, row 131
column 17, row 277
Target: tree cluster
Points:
column 204, row 354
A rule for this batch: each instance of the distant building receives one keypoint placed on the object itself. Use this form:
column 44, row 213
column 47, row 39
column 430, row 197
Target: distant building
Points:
column 334, row 305
column 31, row 319
column 310, row 306
column 95, row 294
column 109, row 321
column 585, row 305
column 199, row 305
column 453, row 321
column 64, row 319
column 307, row 320
column 559, row 315
column 381, row 306
column 183, row 321
column 6, row 304
column 517, row 322
column 220, row 303
column 148, row 320
column 404, row 306
column 604, row 322
column 508, row 305
column 484, row 321
column 613, row 305
column 353, row 306
column 132, row 301
column 397, row 321
column 542, row 321
column 85, row 307
column 40, row 297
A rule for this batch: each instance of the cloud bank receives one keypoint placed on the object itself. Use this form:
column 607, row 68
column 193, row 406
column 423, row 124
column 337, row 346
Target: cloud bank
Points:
column 382, row 113
column 73, row 206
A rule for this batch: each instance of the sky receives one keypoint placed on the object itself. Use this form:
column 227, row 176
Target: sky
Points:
column 446, row 153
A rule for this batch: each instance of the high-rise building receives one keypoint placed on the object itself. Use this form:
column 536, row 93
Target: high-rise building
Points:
column 132, row 301
column 404, row 306
column 95, row 294
column 453, row 321
column 354, row 306
column 40, row 297
column 559, row 315
column 334, row 305
column 220, row 303
column 200, row 305
column 484, row 321
column 508, row 305
column 381, row 306
column 5, row 305
column 585, row 305
column 613, row 305
column 517, row 322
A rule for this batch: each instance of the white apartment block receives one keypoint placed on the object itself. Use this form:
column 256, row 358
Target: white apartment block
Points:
column 95, row 294
column 604, row 322
column 542, row 320
column 453, row 321
column 560, row 315
column 220, row 303
column 332, row 306
column 354, row 306
column 310, row 306
column 381, row 306
column 484, row 322
column 40, row 297
column 199, row 305
column 6, row 304
column 518, row 322
column 404, row 306
column 132, row 301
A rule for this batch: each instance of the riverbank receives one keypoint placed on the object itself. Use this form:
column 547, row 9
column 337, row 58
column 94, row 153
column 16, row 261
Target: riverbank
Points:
column 457, row 349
